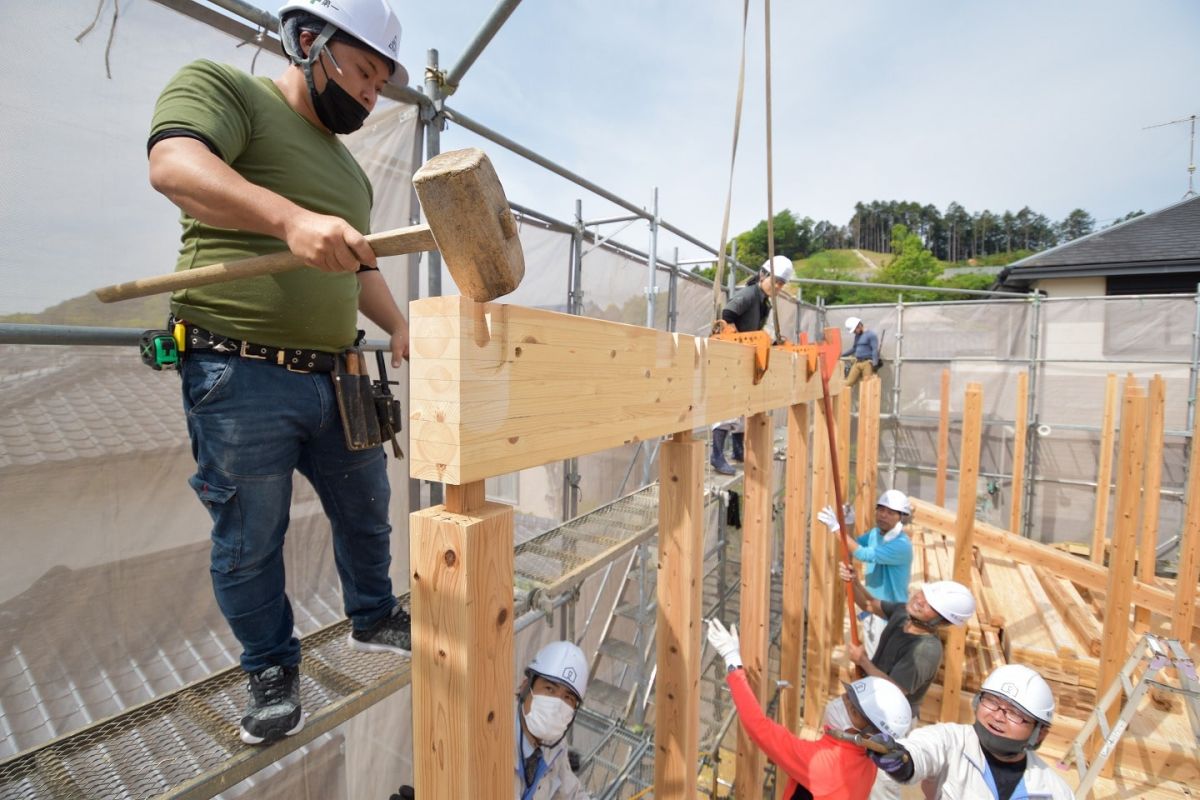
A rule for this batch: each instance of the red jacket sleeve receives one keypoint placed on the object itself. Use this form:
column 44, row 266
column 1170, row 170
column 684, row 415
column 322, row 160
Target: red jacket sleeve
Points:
column 793, row 755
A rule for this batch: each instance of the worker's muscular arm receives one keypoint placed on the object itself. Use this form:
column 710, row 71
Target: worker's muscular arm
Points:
column 376, row 303
column 862, row 598
column 195, row 179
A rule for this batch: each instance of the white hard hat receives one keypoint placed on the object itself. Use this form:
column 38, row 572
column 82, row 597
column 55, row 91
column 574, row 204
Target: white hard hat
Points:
column 952, row 600
column 882, row 702
column 1024, row 688
column 895, row 500
column 852, row 323
column 783, row 268
column 562, row 663
column 372, row 22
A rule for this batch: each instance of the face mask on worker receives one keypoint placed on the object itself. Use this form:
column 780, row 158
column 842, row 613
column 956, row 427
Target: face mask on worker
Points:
column 836, row 717
column 336, row 108
column 548, row 718
column 999, row 745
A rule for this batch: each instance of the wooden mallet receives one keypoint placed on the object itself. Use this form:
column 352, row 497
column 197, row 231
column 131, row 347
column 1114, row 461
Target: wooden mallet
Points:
column 469, row 222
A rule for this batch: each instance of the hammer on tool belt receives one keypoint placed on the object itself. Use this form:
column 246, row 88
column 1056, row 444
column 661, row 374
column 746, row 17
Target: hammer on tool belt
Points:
column 469, row 222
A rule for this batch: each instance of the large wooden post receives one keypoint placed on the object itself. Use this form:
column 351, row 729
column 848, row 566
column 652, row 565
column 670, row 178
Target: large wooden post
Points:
column 1104, row 472
column 1020, row 435
column 756, row 553
column 868, row 453
column 842, row 409
column 680, row 585
column 462, row 630
column 964, row 524
column 820, row 579
column 1148, row 541
column 943, row 441
column 1114, row 645
column 794, row 525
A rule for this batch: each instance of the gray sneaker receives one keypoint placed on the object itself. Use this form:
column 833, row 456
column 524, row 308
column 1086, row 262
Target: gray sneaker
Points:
column 392, row 634
column 274, row 710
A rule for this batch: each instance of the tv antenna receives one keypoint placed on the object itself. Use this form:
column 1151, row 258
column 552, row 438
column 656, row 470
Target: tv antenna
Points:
column 1191, row 192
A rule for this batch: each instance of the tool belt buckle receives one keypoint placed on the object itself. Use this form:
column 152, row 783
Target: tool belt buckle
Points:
column 244, row 353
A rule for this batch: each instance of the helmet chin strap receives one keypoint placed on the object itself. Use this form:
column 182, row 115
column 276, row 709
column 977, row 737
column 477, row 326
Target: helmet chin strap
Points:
column 305, row 62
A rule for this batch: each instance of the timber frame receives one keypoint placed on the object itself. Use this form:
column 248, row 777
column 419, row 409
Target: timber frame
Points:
column 497, row 388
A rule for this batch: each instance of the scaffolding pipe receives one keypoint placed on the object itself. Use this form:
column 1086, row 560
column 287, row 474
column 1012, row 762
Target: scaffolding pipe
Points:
column 906, row 288
column 490, row 27
column 899, row 360
column 651, row 264
column 1031, row 427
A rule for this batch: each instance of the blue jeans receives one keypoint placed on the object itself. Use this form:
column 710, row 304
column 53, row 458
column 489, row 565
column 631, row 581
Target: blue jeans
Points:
column 251, row 425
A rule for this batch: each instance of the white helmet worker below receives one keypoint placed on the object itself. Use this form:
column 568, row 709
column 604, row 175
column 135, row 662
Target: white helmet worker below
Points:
column 554, row 687
column 827, row 767
column 309, row 29
column 255, row 167
column 863, row 351
column 994, row 756
column 910, row 650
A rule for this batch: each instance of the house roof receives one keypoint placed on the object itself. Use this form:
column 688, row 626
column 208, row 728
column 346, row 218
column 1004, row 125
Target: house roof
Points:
column 1167, row 240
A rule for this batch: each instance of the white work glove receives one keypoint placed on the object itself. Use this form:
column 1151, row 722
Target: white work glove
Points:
column 725, row 642
column 829, row 517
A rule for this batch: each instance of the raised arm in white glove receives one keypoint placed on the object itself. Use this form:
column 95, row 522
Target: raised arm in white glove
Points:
column 829, row 517
column 725, row 642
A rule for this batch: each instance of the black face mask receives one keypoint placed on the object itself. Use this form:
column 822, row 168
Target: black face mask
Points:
column 336, row 108
column 999, row 745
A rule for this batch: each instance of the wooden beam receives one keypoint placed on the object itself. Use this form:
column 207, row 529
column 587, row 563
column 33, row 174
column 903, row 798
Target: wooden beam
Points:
column 943, row 441
column 754, row 630
column 462, row 663
column 820, row 579
column 1183, row 607
column 791, row 700
column 1075, row 611
column 1020, row 435
column 837, row 619
column 1064, row 644
column 1080, row 570
column 1104, row 471
column 1148, row 539
column 496, row 388
column 968, row 479
column 680, row 582
column 1114, row 644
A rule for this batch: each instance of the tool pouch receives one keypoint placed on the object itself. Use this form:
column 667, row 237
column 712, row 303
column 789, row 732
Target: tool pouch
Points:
column 356, row 401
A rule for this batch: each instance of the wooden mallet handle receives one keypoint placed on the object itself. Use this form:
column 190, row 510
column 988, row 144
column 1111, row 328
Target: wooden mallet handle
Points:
column 416, row 238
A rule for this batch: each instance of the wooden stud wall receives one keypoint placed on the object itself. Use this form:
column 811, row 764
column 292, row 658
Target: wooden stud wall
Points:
column 1148, row 538
column 943, row 440
column 1020, row 435
column 794, row 541
column 1104, row 470
column 816, row 681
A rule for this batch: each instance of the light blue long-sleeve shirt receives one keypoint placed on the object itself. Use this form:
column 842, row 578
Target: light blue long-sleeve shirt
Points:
column 888, row 564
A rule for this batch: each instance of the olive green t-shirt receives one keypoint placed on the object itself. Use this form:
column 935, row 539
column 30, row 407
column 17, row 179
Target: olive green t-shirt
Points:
column 247, row 123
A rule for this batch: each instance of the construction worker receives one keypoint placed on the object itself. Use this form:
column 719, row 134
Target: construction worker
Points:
column 547, row 702
column 993, row 758
column 863, row 352
column 828, row 767
column 257, row 167
column 910, row 650
column 886, row 553
column 747, row 310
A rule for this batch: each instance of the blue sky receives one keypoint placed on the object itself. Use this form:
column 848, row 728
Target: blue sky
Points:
column 992, row 105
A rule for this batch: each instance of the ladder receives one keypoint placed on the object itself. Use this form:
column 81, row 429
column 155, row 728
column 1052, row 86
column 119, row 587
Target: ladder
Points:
column 1157, row 652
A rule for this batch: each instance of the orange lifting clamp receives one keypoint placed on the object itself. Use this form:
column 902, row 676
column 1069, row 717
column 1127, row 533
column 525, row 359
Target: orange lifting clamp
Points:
column 831, row 349
column 759, row 340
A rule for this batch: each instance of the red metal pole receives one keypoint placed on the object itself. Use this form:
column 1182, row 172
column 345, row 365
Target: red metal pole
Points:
column 844, row 539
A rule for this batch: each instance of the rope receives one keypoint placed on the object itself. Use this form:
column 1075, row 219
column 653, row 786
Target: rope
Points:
column 737, row 125
column 770, row 186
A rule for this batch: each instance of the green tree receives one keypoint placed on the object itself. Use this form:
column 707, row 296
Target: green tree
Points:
column 912, row 264
column 1078, row 223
